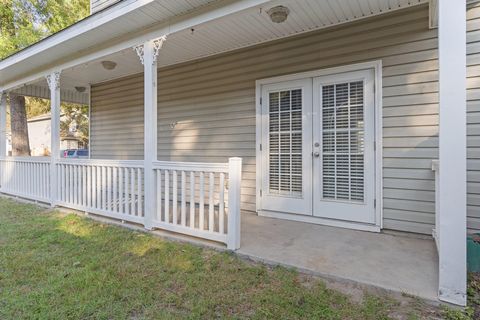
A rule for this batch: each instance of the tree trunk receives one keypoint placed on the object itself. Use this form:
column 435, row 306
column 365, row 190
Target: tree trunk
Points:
column 18, row 118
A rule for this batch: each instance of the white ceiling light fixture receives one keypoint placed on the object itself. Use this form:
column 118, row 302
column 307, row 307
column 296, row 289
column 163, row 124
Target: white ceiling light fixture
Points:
column 278, row 14
column 109, row 65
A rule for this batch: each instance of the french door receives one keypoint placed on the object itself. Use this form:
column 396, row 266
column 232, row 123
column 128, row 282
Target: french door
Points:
column 318, row 157
column 287, row 127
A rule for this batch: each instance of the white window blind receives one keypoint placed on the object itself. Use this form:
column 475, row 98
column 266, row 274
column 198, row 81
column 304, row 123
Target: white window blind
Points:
column 285, row 142
column 343, row 141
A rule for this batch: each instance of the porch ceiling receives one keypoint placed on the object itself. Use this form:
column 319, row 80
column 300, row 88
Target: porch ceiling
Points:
column 238, row 30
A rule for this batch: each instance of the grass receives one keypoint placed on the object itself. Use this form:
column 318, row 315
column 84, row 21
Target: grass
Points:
column 58, row 266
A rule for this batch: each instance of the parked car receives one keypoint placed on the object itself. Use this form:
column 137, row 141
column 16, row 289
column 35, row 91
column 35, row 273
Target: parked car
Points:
column 76, row 153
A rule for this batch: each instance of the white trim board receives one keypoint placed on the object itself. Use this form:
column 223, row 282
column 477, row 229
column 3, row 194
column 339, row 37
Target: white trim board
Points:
column 377, row 67
column 320, row 221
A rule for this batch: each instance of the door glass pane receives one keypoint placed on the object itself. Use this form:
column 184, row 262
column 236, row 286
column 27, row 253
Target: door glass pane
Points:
column 285, row 142
column 343, row 141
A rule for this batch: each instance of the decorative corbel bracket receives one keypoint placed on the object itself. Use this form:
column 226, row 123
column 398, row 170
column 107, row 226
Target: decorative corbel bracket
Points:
column 157, row 46
column 53, row 80
column 140, row 52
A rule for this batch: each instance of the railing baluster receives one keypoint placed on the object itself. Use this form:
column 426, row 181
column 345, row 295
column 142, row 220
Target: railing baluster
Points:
column 84, row 186
column 114, row 173
column 158, row 174
column 109, row 188
column 184, row 207
column 127, row 196
column 89, row 186
column 140, row 192
column 30, row 179
column 33, row 179
column 174, row 197
column 202, row 200
column 121, row 196
column 167, row 196
column 132, row 191
column 95, row 178
column 75, row 184
column 59, row 181
column 70, row 184
column 104, row 188
column 22, row 176
column 211, row 190
column 99, row 188
column 221, row 207
column 192, row 199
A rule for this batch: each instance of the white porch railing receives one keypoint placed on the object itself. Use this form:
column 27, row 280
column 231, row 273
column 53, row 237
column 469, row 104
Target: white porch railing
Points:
column 104, row 187
column 27, row 177
column 197, row 199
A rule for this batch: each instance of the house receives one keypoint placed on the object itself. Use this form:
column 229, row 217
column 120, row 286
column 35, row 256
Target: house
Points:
column 342, row 135
column 39, row 133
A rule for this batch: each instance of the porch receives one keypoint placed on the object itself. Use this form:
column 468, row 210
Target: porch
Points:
column 391, row 261
column 185, row 114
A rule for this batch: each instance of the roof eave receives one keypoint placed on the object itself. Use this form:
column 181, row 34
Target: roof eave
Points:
column 88, row 24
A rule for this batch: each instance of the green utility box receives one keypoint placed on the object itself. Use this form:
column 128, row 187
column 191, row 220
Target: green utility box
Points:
column 473, row 252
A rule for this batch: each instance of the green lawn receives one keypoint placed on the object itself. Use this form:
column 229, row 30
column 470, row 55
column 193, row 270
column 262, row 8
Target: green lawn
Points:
column 57, row 266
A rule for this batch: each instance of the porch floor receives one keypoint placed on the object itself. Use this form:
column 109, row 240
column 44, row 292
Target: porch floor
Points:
column 393, row 262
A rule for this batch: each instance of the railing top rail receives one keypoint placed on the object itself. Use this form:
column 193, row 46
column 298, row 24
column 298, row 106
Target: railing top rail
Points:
column 26, row 159
column 191, row 166
column 103, row 162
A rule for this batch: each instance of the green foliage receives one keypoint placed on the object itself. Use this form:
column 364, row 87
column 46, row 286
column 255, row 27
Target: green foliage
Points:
column 458, row 314
column 75, row 115
column 24, row 22
column 36, row 106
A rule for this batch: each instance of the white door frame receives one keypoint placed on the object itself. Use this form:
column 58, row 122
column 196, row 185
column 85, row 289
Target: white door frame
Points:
column 377, row 67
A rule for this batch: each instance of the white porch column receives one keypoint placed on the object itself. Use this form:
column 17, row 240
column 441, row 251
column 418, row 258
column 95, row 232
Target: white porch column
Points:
column 452, row 154
column 3, row 124
column 53, row 80
column 148, row 53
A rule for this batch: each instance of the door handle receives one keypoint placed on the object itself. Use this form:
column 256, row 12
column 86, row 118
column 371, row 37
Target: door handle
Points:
column 316, row 154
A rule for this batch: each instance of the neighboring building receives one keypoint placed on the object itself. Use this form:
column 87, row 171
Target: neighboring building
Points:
column 352, row 114
column 39, row 134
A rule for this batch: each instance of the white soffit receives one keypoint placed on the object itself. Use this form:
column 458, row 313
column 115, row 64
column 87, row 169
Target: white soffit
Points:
column 253, row 26
column 246, row 28
column 125, row 17
column 242, row 29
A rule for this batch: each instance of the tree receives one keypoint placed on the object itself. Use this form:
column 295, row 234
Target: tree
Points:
column 75, row 122
column 22, row 23
column 19, row 127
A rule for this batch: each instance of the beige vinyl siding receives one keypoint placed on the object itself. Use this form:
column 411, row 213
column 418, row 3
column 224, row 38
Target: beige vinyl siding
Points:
column 97, row 5
column 117, row 119
column 206, row 108
column 473, row 117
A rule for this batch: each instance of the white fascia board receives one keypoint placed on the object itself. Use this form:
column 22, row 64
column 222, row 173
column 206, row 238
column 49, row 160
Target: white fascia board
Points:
column 195, row 18
column 87, row 24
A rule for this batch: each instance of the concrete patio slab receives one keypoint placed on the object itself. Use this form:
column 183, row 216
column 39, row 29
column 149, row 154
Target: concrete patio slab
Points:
column 393, row 262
